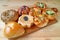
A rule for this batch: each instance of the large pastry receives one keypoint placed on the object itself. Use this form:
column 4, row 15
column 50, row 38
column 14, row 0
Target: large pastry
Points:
column 25, row 20
column 9, row 15
column 13, row 29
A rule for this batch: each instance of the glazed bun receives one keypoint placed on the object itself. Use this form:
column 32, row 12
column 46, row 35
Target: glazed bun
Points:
column 9, row 15
column 13, row 29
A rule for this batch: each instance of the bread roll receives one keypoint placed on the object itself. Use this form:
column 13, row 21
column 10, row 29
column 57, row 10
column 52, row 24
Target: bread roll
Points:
column 9, row 15
column 13, row 29
column 23, row 10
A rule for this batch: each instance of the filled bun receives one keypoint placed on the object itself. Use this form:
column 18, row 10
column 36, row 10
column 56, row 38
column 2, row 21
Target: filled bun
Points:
column 50, row 14
column 26, row 20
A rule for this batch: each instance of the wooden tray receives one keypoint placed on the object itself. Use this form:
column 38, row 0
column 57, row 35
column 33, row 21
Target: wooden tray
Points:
column 33, row 29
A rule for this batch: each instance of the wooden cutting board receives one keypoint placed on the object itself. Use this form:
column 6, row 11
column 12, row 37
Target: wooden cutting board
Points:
column 48, row 31
column 34, row 28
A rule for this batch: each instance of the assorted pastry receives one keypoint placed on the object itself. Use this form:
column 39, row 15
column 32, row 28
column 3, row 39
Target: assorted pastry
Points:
column 16, row 21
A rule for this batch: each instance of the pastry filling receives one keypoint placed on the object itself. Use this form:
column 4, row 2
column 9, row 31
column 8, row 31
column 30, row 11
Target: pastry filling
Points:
column 41, row 5
column 26, row 18
column 49, row 12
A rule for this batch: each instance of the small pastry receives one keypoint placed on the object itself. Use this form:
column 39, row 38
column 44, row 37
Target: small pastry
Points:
column 41, row 21
column 50, row 14
column 13, row 29
column 9, row 15
column 35, row 11
column 26, row 20
column 23, row 10
column 41, row 5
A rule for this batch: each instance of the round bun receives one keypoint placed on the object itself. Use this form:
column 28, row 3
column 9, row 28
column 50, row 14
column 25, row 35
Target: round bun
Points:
column 26, row 20
column 23, row 10
column 13, row 29
column 40, row 21
column 9, row 15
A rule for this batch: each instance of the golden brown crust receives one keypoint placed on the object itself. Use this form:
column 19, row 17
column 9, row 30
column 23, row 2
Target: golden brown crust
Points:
column 13, row 29
column 9, row 15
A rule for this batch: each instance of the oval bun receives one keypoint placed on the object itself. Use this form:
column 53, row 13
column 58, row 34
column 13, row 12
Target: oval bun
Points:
column 13, row 29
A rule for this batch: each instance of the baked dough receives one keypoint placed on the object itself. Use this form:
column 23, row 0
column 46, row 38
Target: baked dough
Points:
column 50, row 14
column 23, row 10
column 25, row 20
column 13, row 29
column 9, row 15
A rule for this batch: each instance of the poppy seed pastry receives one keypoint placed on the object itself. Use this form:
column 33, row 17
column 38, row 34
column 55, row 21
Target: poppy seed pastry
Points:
column 23, row 10
column 9, row 15
column 25, row 20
